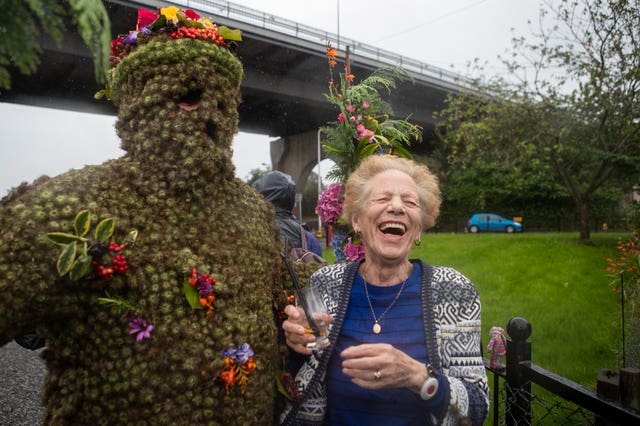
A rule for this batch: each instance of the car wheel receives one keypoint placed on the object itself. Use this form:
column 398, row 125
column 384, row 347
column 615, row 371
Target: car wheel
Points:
column 510, row 229
column 473, row 229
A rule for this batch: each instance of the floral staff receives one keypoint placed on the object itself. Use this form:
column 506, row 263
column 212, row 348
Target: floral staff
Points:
column 362, row 127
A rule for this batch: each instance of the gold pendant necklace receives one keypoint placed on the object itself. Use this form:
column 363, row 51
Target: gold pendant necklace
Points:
column 377, row 328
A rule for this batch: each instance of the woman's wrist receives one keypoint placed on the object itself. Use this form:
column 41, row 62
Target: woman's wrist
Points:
column 430, row 385
column 418, row 378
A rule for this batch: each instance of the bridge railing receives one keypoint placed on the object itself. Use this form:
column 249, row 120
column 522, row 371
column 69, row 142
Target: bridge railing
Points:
column 314, row 35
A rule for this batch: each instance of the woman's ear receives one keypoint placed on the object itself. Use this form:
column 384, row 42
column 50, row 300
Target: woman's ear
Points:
column 355, row 223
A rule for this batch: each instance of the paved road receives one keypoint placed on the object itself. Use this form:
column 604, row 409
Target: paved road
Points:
column 21, row 375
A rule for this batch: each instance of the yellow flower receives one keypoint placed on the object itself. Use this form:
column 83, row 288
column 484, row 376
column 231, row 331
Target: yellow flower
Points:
column 171, row 13
column 207, row 23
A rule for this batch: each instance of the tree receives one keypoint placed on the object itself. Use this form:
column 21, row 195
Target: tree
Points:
column 256, row 173
column 576, row 116
column 23, row 22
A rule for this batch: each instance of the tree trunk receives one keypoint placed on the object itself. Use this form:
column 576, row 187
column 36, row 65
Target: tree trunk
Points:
column 584, row 210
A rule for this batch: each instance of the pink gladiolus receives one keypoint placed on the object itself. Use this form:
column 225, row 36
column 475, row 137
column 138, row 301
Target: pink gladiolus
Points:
column 329, row 205
column 341, row 117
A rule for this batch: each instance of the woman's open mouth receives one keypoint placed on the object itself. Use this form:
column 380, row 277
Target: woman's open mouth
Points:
column 393, row 228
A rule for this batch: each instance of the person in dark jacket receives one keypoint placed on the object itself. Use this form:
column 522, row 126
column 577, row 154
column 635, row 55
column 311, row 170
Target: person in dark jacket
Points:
column 280, row 190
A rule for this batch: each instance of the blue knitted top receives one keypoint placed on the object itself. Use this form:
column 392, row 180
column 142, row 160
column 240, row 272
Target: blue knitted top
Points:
column 402, row 327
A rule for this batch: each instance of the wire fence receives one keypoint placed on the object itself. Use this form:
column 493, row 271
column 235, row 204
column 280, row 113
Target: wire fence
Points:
column 546, row 408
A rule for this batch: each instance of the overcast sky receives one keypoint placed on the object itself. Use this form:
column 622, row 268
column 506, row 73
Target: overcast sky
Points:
column 36, row 141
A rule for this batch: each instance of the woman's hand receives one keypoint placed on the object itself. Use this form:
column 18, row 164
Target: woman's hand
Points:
column 295, row 330
column 380, row 365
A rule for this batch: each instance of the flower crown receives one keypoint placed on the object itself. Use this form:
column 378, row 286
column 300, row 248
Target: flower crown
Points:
column 171, row 22
column 148, row 44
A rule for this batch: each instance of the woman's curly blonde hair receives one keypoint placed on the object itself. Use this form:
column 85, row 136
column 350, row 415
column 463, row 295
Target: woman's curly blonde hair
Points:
column 358, row 186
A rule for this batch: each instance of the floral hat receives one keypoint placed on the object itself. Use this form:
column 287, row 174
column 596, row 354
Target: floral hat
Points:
column 148, row 45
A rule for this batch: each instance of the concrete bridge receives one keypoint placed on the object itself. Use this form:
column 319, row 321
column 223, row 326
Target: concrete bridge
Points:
column 286, row 76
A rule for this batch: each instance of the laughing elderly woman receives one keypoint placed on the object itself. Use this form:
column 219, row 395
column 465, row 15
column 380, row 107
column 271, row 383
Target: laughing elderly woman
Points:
column 405, row 338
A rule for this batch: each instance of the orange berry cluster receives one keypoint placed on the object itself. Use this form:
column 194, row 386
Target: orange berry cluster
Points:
column 199, row 33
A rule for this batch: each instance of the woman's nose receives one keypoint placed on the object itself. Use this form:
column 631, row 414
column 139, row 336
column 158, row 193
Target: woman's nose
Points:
column 396, row 205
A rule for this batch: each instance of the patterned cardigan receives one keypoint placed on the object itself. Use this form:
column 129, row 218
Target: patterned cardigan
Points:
column 451, row 318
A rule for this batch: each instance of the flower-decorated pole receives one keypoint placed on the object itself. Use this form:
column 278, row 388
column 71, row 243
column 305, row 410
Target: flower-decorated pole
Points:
column 362, row 127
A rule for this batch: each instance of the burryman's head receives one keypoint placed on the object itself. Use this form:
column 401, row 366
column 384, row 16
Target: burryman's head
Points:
column 176, row 83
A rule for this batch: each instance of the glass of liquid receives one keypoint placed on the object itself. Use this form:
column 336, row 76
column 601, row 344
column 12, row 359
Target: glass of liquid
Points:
column 311, row 301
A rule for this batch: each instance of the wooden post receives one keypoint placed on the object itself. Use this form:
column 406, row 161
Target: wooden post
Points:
column 630, row 387
column 609, row 387
column 608, row 384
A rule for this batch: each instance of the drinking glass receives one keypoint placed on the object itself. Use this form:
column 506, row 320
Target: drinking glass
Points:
column 310, row 299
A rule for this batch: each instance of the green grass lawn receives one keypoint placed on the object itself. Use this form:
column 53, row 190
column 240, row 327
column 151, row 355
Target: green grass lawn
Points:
column 558, row 284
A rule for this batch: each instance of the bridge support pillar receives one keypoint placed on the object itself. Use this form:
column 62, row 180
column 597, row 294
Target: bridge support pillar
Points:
column 296, row 155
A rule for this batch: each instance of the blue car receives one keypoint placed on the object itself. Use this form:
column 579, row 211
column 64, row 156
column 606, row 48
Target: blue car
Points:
column 490, row 222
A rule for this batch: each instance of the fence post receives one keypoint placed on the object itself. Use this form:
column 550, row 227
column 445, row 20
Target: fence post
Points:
column 630, row 387
column 518, row 403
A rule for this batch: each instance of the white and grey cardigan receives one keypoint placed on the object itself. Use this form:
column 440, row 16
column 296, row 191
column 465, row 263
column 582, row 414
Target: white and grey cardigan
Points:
column 451, row 317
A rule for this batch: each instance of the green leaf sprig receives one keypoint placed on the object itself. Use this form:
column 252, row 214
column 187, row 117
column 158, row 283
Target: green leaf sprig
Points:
column 76, row 256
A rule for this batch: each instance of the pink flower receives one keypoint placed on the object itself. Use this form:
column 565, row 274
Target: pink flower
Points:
column 353, row 252
column 349, row 108
column 365, row 105
column 352, row 119
column 341, row 117
column 329, row 205
column 366, row 133
column 360, row 128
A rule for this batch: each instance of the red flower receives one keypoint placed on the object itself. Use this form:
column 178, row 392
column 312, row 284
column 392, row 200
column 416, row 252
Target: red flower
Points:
column 191, row 14
column 114, row 44
column 145, row 17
